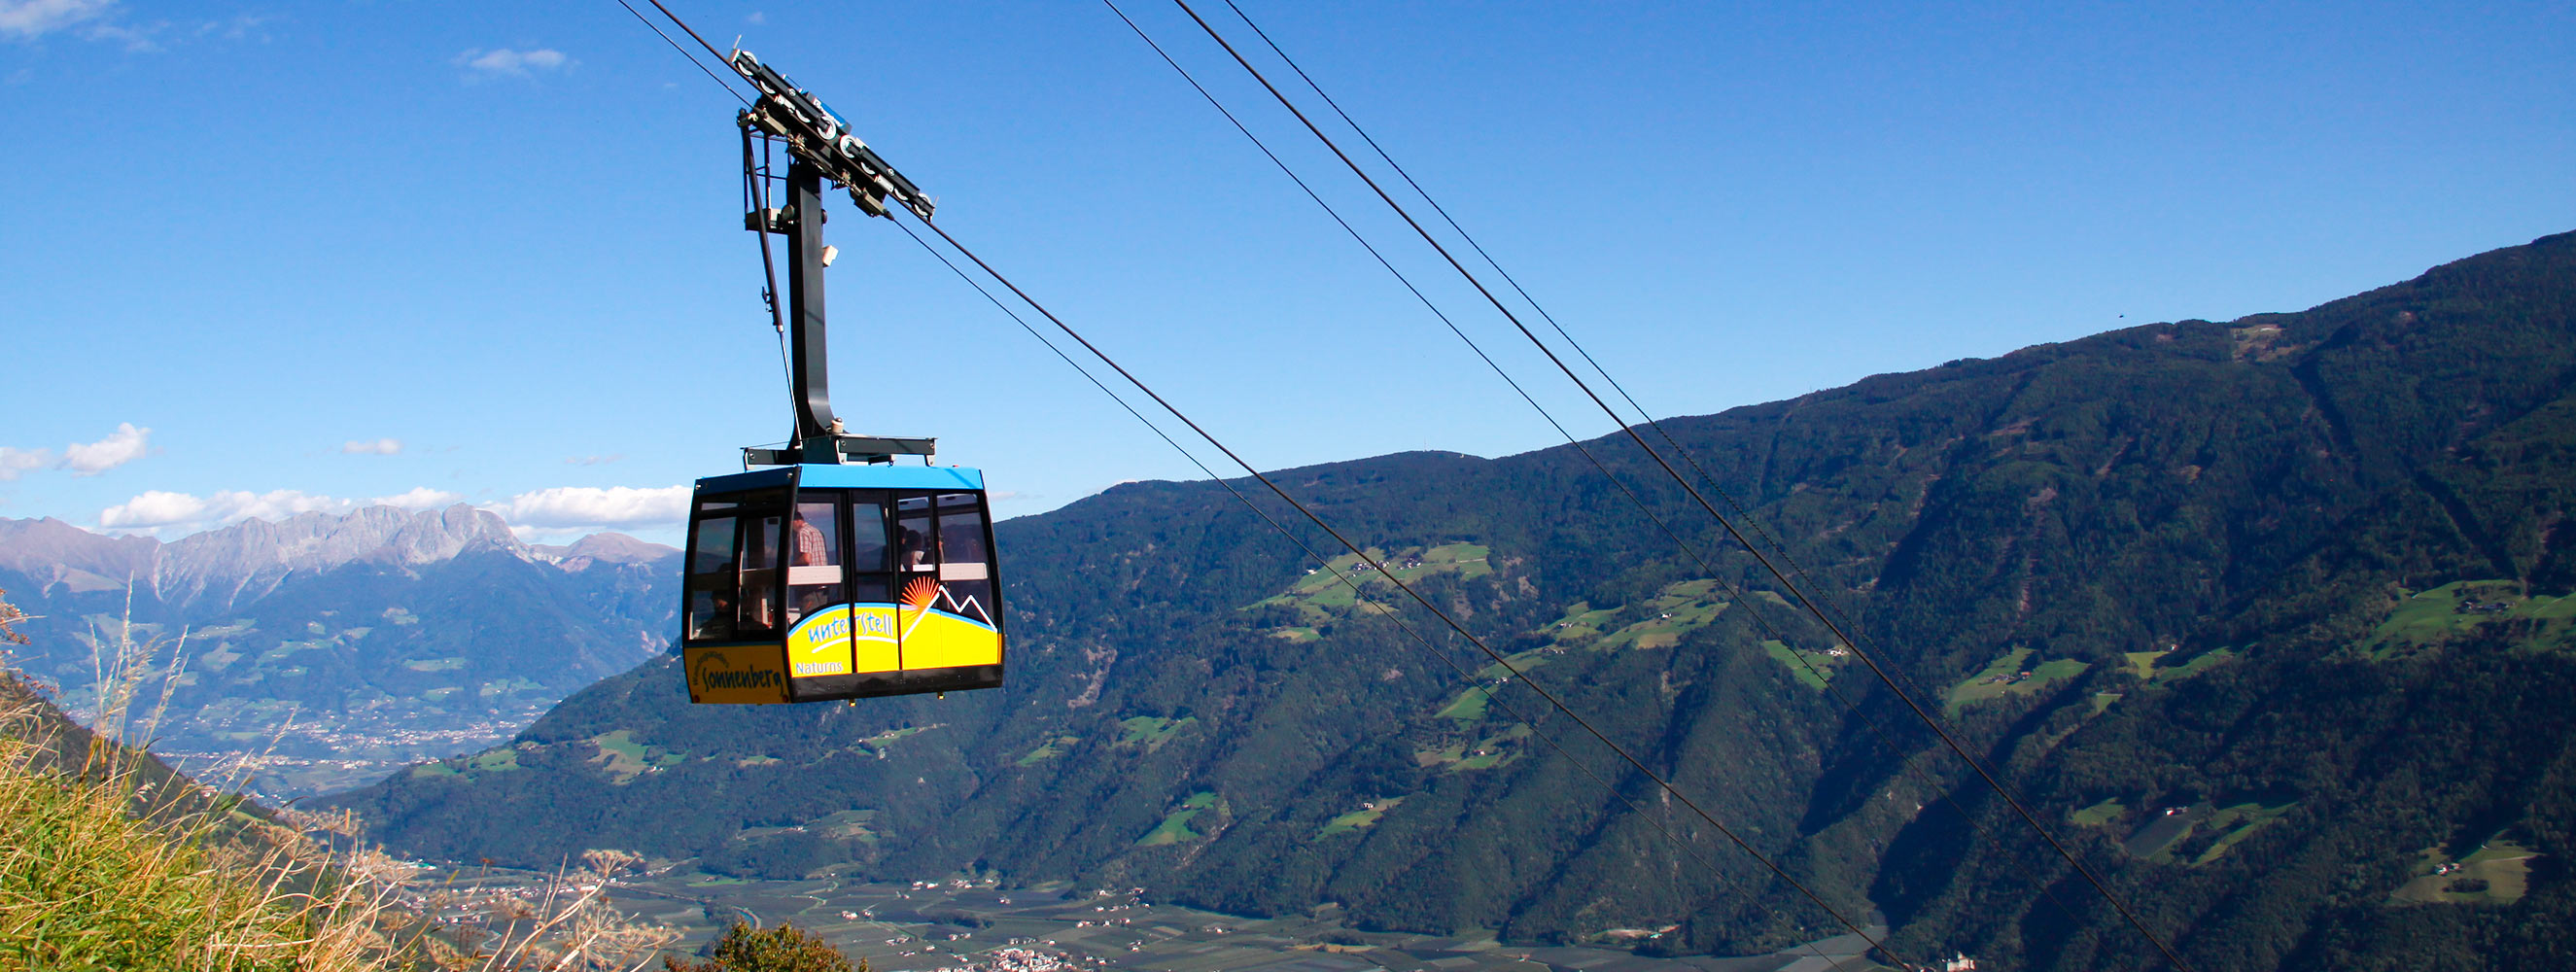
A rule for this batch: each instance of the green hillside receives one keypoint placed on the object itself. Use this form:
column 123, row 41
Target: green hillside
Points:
column 2223, row 553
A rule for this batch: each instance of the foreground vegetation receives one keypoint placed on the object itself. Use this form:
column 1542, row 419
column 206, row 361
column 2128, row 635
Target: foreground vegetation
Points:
column 110, row 860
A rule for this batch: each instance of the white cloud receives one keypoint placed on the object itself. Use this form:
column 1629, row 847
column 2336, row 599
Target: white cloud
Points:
column 419, row 498
column 158, row 511
column 587, row 507
column 372, row 447
column 241, row 27
column 34, row 18
column 520, row 64
column 155, row 509
column 757, row 18
column 594, row 460
column 122, row 446
column 142, row 39
column 16, row 462
column 545, row 512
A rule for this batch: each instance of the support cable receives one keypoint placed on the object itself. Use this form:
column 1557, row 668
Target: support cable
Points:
column 1734, row 593
column 684, row 52
column 1360, row 596
column 1693, row 461
column 1732, row 530
column 693, row 35
column 1358, row 552
column 1380, row 569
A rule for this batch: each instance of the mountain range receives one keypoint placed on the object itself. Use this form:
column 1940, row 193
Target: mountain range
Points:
column 2270, row 622
column 325, row 650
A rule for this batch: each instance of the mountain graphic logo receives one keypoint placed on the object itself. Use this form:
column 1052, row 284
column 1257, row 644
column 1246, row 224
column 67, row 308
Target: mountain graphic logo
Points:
column 924, row 595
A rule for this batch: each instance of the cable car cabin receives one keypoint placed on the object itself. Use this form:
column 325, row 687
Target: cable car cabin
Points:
column 810, row 583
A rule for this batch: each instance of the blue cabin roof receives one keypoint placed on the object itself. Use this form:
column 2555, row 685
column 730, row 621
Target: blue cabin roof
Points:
column 881, row 476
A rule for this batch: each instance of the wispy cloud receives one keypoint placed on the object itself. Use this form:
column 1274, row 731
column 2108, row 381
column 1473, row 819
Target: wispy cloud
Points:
column 505, row 62
column 372, row 447
column 544, row 512
column 241, row 27
column 16, row 462
column 419, row 498
column 156, row 509
column 140, row 38
column 594, row 460
column 589, row 507
column 122, row 446
column 29, row 19
column 160, row 511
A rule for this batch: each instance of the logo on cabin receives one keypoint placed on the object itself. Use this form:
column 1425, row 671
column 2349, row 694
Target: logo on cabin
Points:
column 715, row 671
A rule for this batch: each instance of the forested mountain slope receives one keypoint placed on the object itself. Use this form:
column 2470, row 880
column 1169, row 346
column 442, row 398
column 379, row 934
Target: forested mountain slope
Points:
column 2264, row 617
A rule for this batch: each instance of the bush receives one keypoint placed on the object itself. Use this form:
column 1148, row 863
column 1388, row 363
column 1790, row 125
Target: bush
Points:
column 785, row 948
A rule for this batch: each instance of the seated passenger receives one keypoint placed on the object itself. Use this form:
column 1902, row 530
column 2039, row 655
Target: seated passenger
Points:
column 909, row 554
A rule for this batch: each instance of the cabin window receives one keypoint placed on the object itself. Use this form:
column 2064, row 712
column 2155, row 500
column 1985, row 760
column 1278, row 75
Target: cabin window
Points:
column 711, row 579
column 760, row 556
column 814, row 563
column 914, row 536
column 965, row 566
column 869, row 553
column 734, row 556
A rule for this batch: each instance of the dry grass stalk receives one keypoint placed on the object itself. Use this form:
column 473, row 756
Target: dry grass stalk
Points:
column 108, row 859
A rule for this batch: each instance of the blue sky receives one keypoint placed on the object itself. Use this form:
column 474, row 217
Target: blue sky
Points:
column 263, row 257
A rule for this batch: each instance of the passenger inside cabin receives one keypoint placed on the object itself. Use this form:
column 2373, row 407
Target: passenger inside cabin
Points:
column 810, row 548
column 909, row 553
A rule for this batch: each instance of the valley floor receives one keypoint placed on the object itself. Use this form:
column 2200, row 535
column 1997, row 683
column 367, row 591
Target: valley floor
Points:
column 962, row 926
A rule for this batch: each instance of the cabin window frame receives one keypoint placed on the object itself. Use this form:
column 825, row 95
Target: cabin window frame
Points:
column 745, row 506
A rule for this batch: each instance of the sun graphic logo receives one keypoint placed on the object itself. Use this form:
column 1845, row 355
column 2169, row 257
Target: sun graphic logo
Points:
column 921, row 594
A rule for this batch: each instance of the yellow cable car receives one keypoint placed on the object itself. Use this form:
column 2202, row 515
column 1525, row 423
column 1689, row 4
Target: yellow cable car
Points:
column 814, row 582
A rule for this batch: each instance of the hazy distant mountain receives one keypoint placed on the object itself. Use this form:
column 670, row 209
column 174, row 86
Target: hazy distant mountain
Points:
column 380, row 637
column 2274, row 621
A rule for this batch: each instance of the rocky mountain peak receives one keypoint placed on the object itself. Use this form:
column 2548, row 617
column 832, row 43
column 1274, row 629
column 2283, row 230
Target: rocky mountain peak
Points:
column 250, row 558
column 608, row 548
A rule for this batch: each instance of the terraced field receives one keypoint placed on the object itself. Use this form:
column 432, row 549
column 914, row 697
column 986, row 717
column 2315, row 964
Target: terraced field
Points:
column 624, row 759
column 2100, row 814
column 1323, row 596
column 2426, row 620
column 2006, row 676
column 1175, row 827
column 1152, row 731
column 2498, row 873
column 1050, row 749
column 1475, row 753
column 1360, row 819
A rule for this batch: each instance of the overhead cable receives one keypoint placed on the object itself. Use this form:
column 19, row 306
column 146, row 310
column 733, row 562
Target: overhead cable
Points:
column 684, row 52
column 1732, row 530
column 1379, row 568
column 1359, row 594
column 1376, row 566
column 1760, row 619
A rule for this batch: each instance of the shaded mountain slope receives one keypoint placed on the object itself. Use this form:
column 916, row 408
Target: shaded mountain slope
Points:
column 2217, row 568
